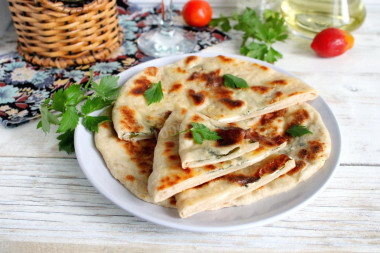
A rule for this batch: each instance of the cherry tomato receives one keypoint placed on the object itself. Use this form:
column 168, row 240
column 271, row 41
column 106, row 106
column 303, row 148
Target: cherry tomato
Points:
column 197, row 13
column 332, row 42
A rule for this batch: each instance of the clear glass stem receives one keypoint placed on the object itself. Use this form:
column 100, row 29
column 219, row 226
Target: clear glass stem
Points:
column 167, row 17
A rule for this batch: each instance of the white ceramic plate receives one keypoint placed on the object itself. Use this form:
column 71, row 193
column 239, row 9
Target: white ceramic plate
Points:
column 227, row 219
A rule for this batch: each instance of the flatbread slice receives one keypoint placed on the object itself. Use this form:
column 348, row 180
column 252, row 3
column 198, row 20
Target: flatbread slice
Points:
column 309, row 151
column 128, row 162
column 169, row 178
column 231, row 145
column 197, row 83
column 212, row 194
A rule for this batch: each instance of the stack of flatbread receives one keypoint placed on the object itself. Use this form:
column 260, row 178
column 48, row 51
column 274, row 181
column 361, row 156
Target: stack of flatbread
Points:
column 151, row 149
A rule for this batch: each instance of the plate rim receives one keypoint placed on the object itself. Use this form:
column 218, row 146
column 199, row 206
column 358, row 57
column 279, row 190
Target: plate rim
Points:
column 336, row 141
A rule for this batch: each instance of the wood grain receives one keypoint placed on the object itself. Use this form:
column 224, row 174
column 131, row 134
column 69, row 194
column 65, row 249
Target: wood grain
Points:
column 49, row 200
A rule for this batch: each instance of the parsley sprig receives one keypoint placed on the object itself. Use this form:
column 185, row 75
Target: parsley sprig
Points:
column 201, row 132
column 298, row 130
column 62, row 109
column 260, row 33
column 234, row 82
column 154, row 94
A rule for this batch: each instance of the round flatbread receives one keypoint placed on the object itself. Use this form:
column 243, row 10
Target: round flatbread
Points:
column 129, row 162
column 197, row 83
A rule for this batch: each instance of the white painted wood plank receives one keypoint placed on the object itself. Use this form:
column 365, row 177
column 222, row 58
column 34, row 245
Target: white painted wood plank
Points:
column 50, row 201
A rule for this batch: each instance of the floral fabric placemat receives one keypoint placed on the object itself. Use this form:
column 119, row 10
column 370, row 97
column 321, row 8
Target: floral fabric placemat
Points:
column 24, row 87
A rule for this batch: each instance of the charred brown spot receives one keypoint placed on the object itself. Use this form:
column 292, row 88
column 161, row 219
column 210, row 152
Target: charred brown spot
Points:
column 174, row 157
column 269, row 167
column 313, row 152
column 294, row 94
column 151, row 71
column 212, row 79
column 141, row 153
column 261, row 89
column 189, row 135
column 194, row 76
column 179, row 176
column 175, row 87
column 210, row 167
column 315, row 148
column 270, row 117
column 128, row 120
column 222, row 92
column 232, row 104
column 265, row 68
column 276, row 97
column 170, row 144
column 230, row 136
column 183, row 111
column 181, row 70
column 198, row 98
column 299, row 166
column 105, row 125
column 299, row 117
column 141, row 85
column 264, row 140
column 279, row 82
column 130, row 178
column 225, row 59
column 191, row 58
column 273, row 165
column 196, row 118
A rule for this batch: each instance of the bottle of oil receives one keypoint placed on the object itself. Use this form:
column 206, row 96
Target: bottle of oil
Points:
column 308, row 17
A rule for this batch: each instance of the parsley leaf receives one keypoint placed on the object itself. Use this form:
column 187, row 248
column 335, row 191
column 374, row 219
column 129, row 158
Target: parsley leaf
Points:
column 154, row 93
column 72, row 95
column 298, row 130
column 66, row 141
column 223, row 21
column 94, row 104
column 59, row 100
column 66, row 101
column 259, row 33
column 201, row 132
column 234, row 82
column 47, row 118
column 91, row 123
column 69, row 119
column 107, row 88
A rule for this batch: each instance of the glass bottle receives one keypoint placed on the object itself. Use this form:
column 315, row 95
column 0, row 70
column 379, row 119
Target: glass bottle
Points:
column 308, row 17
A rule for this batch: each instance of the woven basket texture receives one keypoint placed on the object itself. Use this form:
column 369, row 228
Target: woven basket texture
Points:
column 51, row 34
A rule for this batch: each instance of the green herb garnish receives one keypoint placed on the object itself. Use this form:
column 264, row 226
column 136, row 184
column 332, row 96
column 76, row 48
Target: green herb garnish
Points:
column 234, row 82
column 62, row 109
column 298, row 130
column 259, row 33
column 154, row 93
column 201, row 132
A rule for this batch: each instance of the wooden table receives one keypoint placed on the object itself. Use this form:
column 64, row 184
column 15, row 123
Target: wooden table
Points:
column 47, row 204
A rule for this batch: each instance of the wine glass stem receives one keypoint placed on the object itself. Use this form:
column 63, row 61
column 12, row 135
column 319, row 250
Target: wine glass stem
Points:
column 167, row 28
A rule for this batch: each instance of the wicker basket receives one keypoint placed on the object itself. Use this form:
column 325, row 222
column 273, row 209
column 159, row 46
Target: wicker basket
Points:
column 51, row 34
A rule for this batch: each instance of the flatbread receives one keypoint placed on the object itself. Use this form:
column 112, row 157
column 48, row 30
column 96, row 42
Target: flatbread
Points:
column 169, row 178
column 231, row 145
column 197, row 83
column 214, row 193
column 309, row 151
column 129, row 162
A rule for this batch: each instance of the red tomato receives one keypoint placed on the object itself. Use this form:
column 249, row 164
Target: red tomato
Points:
column 332, row 42
column 197, row 13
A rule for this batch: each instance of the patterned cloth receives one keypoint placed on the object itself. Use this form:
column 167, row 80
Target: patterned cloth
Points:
column 24, row 86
